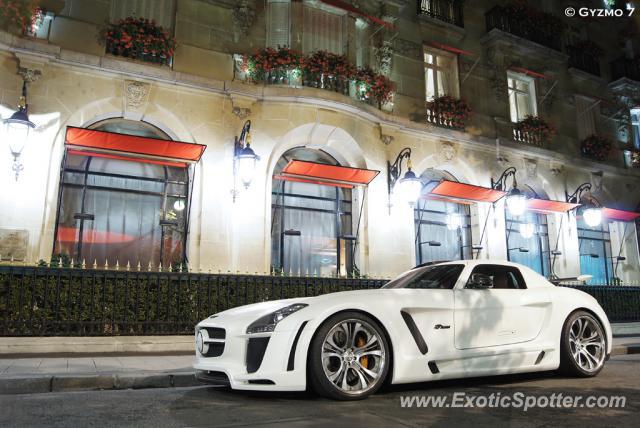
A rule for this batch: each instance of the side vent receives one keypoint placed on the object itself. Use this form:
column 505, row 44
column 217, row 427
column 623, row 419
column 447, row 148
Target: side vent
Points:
column 292, row 354
column 540, row 357
column 433, row 367
column 413, row 328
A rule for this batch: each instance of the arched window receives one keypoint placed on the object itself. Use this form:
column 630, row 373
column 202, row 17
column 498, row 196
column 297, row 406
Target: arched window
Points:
column 528, row 238
column 595, row 250
column 311, row 229
column 443, row 229
column 122, row 210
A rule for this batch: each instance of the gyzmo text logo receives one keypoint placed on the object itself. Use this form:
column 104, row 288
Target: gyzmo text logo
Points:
column 585, row 12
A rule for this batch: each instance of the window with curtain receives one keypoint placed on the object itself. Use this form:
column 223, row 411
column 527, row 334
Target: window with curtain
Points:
column 522, row 96
column 322, row 30
column 528, row 241
column 122, row 211
column 161, row 11
column 635, row 127
column 311, row 229
column 278, row 23
column 440, row 73
column 443, row 229
column 595, row 252
column 586, row 109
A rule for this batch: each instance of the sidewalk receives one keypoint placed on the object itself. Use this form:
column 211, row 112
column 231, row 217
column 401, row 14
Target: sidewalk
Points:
column 35, row 375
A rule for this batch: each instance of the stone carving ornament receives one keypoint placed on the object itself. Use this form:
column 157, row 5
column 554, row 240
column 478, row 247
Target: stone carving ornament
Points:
column 136, row 94
column 242, row 16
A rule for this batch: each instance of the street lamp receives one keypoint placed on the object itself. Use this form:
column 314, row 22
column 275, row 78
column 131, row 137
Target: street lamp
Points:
column 407, row 188
column 17, row 129
column 244, row 158
column 515, row 200
column 591, row 213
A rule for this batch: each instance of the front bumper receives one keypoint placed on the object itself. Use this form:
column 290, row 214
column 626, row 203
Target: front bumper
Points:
column 254, row 362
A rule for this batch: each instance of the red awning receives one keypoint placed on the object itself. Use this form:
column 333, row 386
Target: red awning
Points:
column 619, row 215
column 545, row 206
column 328, row 175
column 531, row 73
column 451, row 49
column 92, row 141
column 466, row 192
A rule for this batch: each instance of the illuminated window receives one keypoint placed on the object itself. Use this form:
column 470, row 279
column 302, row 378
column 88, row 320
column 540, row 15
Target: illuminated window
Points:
column 122, row 211
column 635, row 127
column 440, row 74
column 278, row 23
column 322, row 29
column 522, row 96
column 311, row 226
column 443, row 229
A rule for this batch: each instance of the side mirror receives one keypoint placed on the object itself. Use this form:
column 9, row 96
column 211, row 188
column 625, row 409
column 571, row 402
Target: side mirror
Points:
column 480, row 281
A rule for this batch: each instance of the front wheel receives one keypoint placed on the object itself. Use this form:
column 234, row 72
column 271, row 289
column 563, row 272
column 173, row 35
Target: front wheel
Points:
column 583, row 346
column 349, row 357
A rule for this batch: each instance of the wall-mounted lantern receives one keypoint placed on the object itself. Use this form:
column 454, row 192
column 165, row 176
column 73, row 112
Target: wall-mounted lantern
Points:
column 244, row 158
column 407, row 188
column 515, row 200
column 17, row 129
column 591, row 213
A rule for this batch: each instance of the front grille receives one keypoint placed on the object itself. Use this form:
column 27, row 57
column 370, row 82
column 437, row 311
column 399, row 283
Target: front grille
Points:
column 255, row 353
column 216, row 341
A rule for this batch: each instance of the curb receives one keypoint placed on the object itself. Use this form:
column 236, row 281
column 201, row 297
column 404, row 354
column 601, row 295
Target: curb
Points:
column 67, row 383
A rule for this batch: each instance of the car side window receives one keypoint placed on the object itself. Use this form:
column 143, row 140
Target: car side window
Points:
column 437, row 277
column 504, row 277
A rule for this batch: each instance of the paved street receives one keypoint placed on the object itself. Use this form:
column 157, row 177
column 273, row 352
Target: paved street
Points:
column 207, row 406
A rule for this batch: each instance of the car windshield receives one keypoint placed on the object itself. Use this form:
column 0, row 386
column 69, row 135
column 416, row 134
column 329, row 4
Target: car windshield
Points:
column 437, row 276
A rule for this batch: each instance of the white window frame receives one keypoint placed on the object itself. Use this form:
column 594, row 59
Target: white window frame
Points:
column 531, row 93
column 635, row 126
column 590, row 114
column 435, row 67
column 271, row 42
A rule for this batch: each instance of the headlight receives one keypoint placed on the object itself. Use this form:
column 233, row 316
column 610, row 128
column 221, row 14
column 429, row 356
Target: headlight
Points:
column 201, row 344
column 268, row 322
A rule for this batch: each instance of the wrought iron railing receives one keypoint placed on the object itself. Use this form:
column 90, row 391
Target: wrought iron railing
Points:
column 449, row 11
column 625, row 67
column 584, row 61
column 38, row 301
column 516, row 25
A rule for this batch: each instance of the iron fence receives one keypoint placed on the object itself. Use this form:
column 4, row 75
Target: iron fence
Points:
column 39, row 301
column 449, row 11
column 584, row 61
column 625, row 67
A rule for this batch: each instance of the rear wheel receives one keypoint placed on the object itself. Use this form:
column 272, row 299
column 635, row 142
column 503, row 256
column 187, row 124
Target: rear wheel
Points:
column 583, row 346
column 349, row 357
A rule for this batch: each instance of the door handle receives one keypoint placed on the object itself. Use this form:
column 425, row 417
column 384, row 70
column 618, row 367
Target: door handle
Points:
column 441, row 327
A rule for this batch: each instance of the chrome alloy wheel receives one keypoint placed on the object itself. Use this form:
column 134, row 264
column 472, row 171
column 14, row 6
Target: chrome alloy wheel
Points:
column 353, row 356
column 587, row 343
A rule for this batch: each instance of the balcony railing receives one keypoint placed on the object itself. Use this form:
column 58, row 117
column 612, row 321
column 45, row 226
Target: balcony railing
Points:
column 530, row 138
column 449, row 11
column 583, row 61
column 625, row 67
column 442, row 120
column 500, row 19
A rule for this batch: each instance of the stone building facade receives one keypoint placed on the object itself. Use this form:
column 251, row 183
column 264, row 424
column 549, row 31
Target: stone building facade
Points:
column 201, row 98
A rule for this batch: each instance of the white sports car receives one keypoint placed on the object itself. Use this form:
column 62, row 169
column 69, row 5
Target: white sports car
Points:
column 440, row 321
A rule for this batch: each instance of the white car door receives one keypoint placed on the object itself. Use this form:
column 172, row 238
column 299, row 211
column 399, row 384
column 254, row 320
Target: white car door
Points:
column 505, row 314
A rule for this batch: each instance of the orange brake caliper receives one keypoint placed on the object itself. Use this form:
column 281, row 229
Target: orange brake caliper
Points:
column 363, row 360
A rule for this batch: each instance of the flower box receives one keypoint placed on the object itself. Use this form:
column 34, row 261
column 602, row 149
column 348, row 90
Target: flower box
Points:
column 533, row 130
column 596, row 148
column 448, row 112
column 140, row 39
